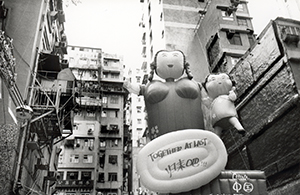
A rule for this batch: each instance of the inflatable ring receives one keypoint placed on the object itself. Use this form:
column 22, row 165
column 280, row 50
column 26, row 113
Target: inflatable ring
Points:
column 181, row 161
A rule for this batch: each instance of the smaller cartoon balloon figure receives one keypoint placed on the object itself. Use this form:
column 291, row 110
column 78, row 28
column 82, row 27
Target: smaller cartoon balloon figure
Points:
column 219, row 88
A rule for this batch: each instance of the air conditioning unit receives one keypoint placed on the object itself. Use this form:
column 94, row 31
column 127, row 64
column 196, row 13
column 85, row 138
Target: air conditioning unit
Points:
column 230, row 33
column 52, row 176
column 90, row 132
column 290, row 38
column 235, row 2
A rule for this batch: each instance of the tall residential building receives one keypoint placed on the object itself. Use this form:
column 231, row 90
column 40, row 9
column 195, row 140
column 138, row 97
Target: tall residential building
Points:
column 36, row 96
column 91, row 161
column 171, row 25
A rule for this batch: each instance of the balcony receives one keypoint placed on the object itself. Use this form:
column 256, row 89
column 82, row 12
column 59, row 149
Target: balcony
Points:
column 110, row 129
column 88, row 102
column 112, row 88
column 87, row 184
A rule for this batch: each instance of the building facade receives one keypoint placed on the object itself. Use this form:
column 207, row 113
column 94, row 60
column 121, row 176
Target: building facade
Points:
column 267, row 80
column 92, row 158
column 34, row 114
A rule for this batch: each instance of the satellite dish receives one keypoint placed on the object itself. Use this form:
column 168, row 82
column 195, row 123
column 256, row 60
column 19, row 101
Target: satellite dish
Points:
column 24, row 112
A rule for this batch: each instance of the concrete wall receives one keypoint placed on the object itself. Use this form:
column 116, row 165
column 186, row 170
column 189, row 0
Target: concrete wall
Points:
column 24, row 25
column 268, row 106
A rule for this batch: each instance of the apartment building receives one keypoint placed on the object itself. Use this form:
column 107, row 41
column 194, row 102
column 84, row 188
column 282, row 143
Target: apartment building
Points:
column 91, row 161
column 34, row 114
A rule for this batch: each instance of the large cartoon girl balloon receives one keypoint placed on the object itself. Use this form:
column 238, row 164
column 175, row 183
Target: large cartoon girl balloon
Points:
column 173, row 102
column 220, row 89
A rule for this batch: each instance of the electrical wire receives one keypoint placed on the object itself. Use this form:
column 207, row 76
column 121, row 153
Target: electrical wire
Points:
column 240, row 153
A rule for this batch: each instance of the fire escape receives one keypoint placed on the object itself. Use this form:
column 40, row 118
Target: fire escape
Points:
column 52, row 100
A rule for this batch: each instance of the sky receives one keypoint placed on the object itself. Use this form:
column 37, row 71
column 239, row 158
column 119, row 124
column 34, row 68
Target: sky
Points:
column 262, row 11
column 113, row 24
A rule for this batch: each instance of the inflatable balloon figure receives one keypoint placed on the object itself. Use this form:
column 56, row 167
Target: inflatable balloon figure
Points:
column 220, row 89
column 181, row 156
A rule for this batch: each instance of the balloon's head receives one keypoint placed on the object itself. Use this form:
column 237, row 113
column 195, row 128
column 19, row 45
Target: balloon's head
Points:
column 169, row 64
column 218, row 84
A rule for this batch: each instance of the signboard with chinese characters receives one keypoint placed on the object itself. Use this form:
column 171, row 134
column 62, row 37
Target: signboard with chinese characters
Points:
column 235, row 182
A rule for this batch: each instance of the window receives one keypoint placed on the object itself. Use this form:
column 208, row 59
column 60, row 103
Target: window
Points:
column 139, row 121
column 102, row 143
column 150, row 23
column 86, row 143
column 113, row 114
column 101, row 177
column 251, row 39
column 60, row 175
column 60, row 159
column 91, row 128
column 112, row 177
column 77, row 142
column 149, row 8
column 151, row 36
column 76, row 125
column 139, row 109
column 103, row 114
column 72, row 175
column 114, row 75
column 242, row 22
column 104, row 100
column 90, row 114
column 240, row 7
column 234, row 39
column 91, row 144
column 226, row 15
column 105, row 62
column 86, row 175
column 101, row 159
column 234, row 60
column 105, row 75
column 74, row 158
column 113, row 127
column 114, row 99
column 213, row 49
column 138, row 79
column 88, row 158
column 113, row 159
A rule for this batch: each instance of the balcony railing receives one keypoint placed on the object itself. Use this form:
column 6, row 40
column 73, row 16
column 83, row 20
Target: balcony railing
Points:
column 75, row 184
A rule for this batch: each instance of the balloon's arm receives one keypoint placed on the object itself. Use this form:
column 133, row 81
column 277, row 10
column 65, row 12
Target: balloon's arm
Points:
column 132, row 88
column 232, row 95
column 206, row 100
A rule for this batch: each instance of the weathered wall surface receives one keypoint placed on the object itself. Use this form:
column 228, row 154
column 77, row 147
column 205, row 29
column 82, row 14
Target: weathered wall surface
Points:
column 8, row 145
column 269, row 109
